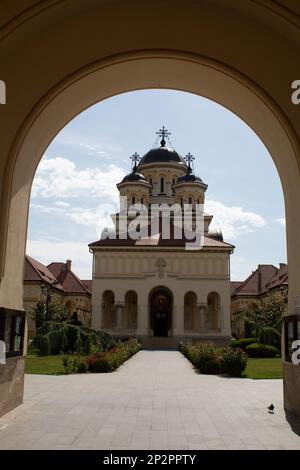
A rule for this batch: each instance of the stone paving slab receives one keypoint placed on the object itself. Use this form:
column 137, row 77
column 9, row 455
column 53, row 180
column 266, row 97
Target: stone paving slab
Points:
column 154, row 401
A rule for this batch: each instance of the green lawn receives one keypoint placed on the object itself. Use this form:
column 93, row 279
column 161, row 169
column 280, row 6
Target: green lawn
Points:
column 46, row 365
column 256, row 368
column 270, row 368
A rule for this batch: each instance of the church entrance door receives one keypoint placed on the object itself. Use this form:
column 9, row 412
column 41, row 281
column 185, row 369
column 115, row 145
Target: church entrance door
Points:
column 160, row 312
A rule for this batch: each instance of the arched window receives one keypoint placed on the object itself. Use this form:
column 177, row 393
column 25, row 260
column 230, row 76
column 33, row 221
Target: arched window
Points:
column 190, row 201
column 212, row 311
column 133, row 200
column 162, row 185
column 130, row 312
column 108, row 310
column 142, row 200
column 191, row 322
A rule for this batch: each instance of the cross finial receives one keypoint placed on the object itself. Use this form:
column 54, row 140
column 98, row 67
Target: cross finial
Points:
column 135, row 158
column 189, row 158
column 163, row 132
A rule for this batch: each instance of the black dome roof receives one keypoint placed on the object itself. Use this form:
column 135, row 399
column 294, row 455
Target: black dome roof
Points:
column 162, row 155
column 133, row 177
column 189, row 178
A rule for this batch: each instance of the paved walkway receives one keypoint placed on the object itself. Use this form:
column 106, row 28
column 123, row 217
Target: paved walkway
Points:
column 154, row 401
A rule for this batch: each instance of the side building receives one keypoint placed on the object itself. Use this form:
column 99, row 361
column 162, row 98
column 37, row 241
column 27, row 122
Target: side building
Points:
column 65, row 285
column 245, row 295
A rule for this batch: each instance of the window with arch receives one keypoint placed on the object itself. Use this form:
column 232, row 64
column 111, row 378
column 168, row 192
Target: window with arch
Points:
column 212, row 311
column 130, row 312
column 162, row 184
column 190, row 311
column 108, row 309
column 133, row 200
column 190, row 200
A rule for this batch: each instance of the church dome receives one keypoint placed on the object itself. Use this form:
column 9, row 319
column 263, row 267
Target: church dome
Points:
column 134, row 177
column 189, row 178
column 162, row 155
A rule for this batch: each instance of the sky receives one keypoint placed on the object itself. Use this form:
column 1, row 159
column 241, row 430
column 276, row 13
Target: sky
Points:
column 74, row 189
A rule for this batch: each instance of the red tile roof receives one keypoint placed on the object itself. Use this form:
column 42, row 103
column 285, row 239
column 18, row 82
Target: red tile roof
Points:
column 88, row 283
column 36, row 271
column 58, row 275
column 234, row 285
column 256, row 283
column 70, row 282
column 280, row 279
column 157, row 240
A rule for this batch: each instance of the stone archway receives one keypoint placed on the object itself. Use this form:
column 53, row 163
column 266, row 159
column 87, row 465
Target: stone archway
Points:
column 238, row 76
column 161, row 311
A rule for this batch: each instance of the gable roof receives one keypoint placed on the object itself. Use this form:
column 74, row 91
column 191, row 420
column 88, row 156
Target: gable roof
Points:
column 36, row 271
column 256, row 283
column 234, row 285
column 65, row 276
column 280, row 279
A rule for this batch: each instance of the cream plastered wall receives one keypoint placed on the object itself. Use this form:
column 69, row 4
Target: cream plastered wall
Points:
column 201, row 273
column 58, row 57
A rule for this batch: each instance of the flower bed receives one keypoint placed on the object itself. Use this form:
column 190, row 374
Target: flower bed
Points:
column 103, row 361
column 208, row 359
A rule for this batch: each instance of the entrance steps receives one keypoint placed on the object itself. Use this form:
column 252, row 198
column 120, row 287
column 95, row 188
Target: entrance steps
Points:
column 160, row 342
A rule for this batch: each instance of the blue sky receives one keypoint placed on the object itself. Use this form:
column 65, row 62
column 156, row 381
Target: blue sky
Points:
column 74, row 188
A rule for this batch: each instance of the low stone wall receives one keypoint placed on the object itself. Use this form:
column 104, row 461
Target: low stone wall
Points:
column 291, row 388
column 11, row 383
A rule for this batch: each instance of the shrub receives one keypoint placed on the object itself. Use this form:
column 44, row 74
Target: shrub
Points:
column 242, row 343
column 203, row 355
column 109, row 361
column 74, row 364
column 261, row 350
column 270, row 336
column 56, row 338
column 234, row 361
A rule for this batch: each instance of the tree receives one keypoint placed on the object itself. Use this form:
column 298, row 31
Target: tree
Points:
column 48, row 308
column 268, row 312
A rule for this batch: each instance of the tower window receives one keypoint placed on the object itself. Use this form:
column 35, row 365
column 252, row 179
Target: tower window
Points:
column 181, row 202
column 162, row 185
column 190, row 200
column 133, row 200
column 173, row 181
column 142, row 200
column 150, row 181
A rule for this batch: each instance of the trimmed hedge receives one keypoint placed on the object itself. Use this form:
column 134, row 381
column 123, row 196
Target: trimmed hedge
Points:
column 261, row 350
column 242, row 343
column 208, row 359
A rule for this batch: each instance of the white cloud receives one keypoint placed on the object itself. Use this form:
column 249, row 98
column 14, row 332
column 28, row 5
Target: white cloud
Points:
column 233, row 221
column 62, row 204
column 47, row 251
column 59, row 177
column 281, row 221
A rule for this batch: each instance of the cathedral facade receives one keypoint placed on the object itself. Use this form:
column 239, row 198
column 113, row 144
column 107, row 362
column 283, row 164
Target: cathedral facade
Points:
column 151, row 285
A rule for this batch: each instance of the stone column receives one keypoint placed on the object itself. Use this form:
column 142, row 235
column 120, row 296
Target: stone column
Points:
column 178, row 315
column 119, row 311
column 201, row 308
column 142, row 320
